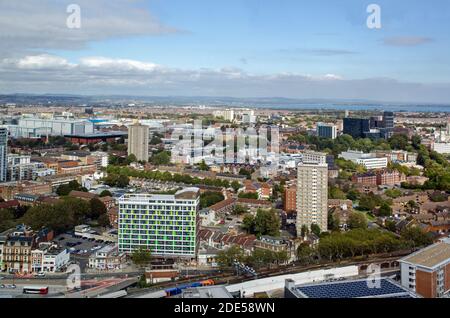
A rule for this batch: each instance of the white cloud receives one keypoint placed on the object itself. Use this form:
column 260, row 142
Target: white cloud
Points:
column 118, row 64
column 27, row 24
column 101, row 75
column 37, row 62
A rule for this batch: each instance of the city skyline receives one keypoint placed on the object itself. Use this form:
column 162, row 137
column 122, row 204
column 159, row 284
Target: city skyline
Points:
column 296, row 49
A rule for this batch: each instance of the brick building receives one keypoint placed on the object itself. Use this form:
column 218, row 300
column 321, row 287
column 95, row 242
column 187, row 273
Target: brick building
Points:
column 427, row 272
column 290, row 199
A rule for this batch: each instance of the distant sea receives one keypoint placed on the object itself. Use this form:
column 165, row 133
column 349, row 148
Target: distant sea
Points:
column 357, row 107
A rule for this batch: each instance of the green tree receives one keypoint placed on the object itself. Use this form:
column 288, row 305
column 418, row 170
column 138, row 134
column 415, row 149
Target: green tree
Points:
column 162, row 158
column 315, row 228
column 333, row 222
column 203, row 166
column 236, row 186
column 239, row 210
column 385, row 210
column 226, row 258
column 210, row 198
column 141, row 256
column 357, row 220
column 104, row 221
column 248, row 223
column 105, row 193
column 249, row 195
column 267, row 222
column 416, row 237
column 98, row 208
column 336, row 193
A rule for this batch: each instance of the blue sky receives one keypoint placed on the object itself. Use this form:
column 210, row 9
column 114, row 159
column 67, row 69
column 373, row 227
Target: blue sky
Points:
column 271, row 37
column 312, row 37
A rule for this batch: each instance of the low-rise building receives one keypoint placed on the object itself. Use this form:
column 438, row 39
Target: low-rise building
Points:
column 48, row 257
column 107, row 258
column 427, row 272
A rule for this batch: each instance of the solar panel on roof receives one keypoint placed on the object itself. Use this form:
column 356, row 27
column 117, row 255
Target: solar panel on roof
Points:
column 352, row 289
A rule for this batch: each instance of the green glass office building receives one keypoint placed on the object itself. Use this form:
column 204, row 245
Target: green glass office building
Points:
column 167, row 225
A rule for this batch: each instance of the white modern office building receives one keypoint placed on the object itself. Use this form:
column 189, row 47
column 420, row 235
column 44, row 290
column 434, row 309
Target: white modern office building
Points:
column 326, row 130
column 167, row 225
column 442, row 147
column 312, row 196
column 368, row 160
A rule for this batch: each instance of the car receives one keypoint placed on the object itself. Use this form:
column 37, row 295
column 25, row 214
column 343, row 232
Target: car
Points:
column 40, row 274
column 2, row 286
column 11, row 286
column 2, row 277
column 61, row 239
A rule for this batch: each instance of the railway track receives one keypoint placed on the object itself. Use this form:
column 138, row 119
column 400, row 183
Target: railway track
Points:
column 230, row 278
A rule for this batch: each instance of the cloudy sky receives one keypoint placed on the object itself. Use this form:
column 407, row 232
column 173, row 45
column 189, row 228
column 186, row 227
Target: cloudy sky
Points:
column 237, row 48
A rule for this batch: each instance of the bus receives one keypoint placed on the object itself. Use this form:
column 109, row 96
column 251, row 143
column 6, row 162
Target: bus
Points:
column 40, row 290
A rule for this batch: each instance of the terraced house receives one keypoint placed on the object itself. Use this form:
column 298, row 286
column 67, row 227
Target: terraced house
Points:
column 167, row 225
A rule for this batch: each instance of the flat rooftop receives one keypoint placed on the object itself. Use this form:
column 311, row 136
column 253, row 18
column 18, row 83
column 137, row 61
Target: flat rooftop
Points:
column 431, row 256
column 207, row 292
column 362, row 288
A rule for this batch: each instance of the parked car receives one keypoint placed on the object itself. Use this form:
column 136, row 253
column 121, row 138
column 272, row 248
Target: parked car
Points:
column 40, row 274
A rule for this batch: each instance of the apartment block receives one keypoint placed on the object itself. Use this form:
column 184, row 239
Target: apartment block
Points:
column 167, row 225
column 427, row 272
column 312, row 195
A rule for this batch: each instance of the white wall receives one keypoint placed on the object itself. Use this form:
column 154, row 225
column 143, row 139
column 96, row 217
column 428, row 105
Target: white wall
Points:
column 278, row 282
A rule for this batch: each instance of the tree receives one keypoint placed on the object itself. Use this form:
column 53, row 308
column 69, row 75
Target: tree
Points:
column 161, row 158
column 393, row 193
column 98, row 208
column 385, row 210
column 267, row 222
column 239, row 210
column 305, row 253
column 333, row 222
column 353, row 194
column 131, row 158
column 357, row 220
column 304, row 231
column 203, row 166
column 104, row 221
column 7, row 219
column 248, row 223
column 315, row 228
column 65, row 189
column 226, row 258
column 141, row 256
column 235, row 185
column 336, row 193
column 398, row 142
column 210, row 198
column 416, row 237
column 105, row 193
column 249, row 195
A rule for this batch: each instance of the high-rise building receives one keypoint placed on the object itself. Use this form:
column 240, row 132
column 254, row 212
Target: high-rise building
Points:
column 312, row 196
column 3, row 153
column 427, row 272
column 167, row 225
column 326, row 131
column 356, row 127
column 388, row 125
column 290, row 199
column 138, row 141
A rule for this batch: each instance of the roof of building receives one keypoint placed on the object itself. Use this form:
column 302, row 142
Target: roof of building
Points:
column 81, row 194
column 430, row 257
column 361, row 288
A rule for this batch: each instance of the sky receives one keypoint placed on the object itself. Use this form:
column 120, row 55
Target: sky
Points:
column 237, row 48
